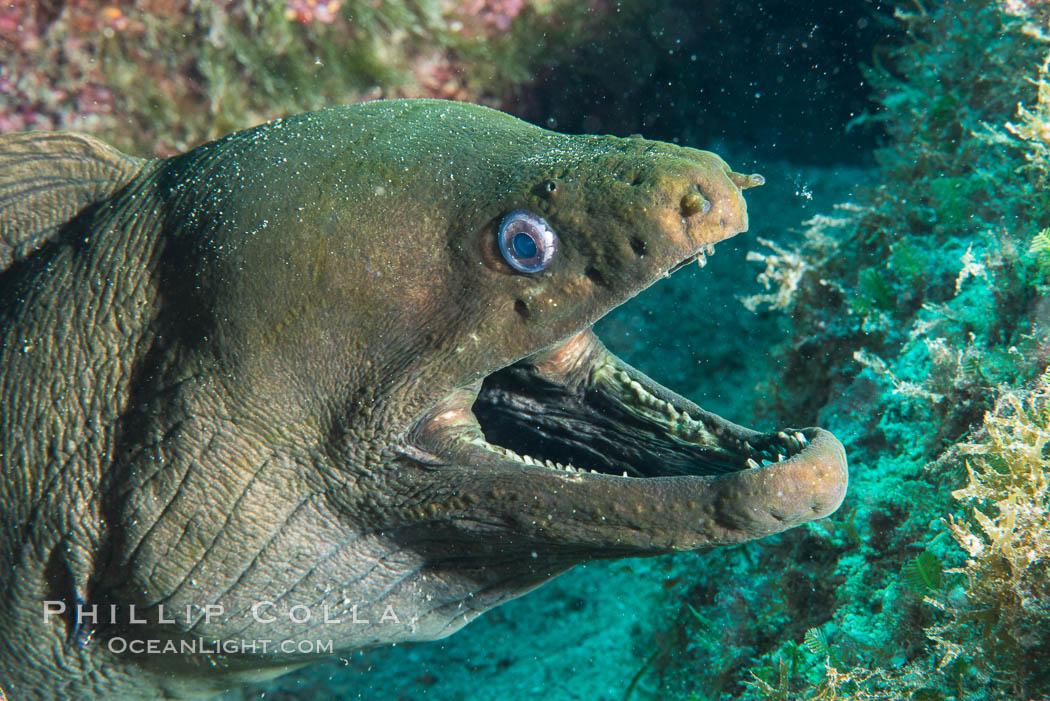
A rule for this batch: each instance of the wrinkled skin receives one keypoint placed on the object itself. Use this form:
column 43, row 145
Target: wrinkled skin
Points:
column 292, row 366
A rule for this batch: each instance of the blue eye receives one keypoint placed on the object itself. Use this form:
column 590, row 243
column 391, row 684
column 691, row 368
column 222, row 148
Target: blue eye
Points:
column 527, row 242
column 524, row 246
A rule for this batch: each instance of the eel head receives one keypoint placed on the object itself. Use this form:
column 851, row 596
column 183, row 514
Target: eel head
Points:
column 388, row 394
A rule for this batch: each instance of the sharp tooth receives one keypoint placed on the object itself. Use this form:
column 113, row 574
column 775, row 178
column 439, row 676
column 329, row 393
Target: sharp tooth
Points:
column 671, row 411
column 751, row 463
column 780, row 457
column 701, row 259
column 800, row 438
column 709, row 248
column 640, row 392
column 782, row 435
column 624, row 473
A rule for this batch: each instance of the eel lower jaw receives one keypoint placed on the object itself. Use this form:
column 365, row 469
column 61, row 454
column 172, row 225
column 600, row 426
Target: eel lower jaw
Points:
column 589, row 451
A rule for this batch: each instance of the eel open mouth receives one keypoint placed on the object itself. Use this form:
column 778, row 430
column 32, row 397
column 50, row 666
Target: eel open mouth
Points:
column 623, row 441
column 613, row 424
column 580, row 409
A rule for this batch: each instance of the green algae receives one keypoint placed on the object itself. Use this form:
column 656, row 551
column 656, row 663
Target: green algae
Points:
column 919, row 308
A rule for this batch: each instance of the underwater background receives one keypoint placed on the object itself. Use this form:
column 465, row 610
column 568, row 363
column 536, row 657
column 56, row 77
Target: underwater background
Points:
column 893, row 289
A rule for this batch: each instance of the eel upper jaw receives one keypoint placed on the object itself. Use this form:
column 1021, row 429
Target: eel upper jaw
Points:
column 572, row 447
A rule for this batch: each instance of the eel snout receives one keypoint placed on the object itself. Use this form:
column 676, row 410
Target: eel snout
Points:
column 807, row 486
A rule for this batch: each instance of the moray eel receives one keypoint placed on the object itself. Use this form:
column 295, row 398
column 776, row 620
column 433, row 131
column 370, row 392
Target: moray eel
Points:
column 340, row 368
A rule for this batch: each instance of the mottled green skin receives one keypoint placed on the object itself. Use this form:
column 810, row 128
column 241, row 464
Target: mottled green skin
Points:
column 210, row 377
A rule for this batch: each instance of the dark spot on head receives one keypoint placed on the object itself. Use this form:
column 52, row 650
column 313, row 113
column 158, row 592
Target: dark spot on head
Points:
column 521, row 308
column 548, row 189
column 638, row 246
column 595, row 275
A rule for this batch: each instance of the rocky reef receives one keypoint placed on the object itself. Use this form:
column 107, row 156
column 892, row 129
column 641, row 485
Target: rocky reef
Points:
column 918, row 331
column 160, row 76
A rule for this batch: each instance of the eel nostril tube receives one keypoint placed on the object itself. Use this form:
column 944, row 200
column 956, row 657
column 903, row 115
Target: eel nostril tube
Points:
column 694, row 203
column 746, row 181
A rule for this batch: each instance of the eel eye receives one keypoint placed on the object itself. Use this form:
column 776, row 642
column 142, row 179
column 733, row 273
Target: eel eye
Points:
column 527, row 241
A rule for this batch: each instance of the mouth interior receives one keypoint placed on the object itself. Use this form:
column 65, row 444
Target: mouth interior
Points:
column 617, row 423
column 595, row 415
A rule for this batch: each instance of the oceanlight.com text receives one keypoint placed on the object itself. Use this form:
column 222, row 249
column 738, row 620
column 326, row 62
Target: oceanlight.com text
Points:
column 119, row 645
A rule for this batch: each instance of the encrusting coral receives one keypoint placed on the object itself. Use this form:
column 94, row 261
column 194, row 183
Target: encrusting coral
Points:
column 160, row 76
